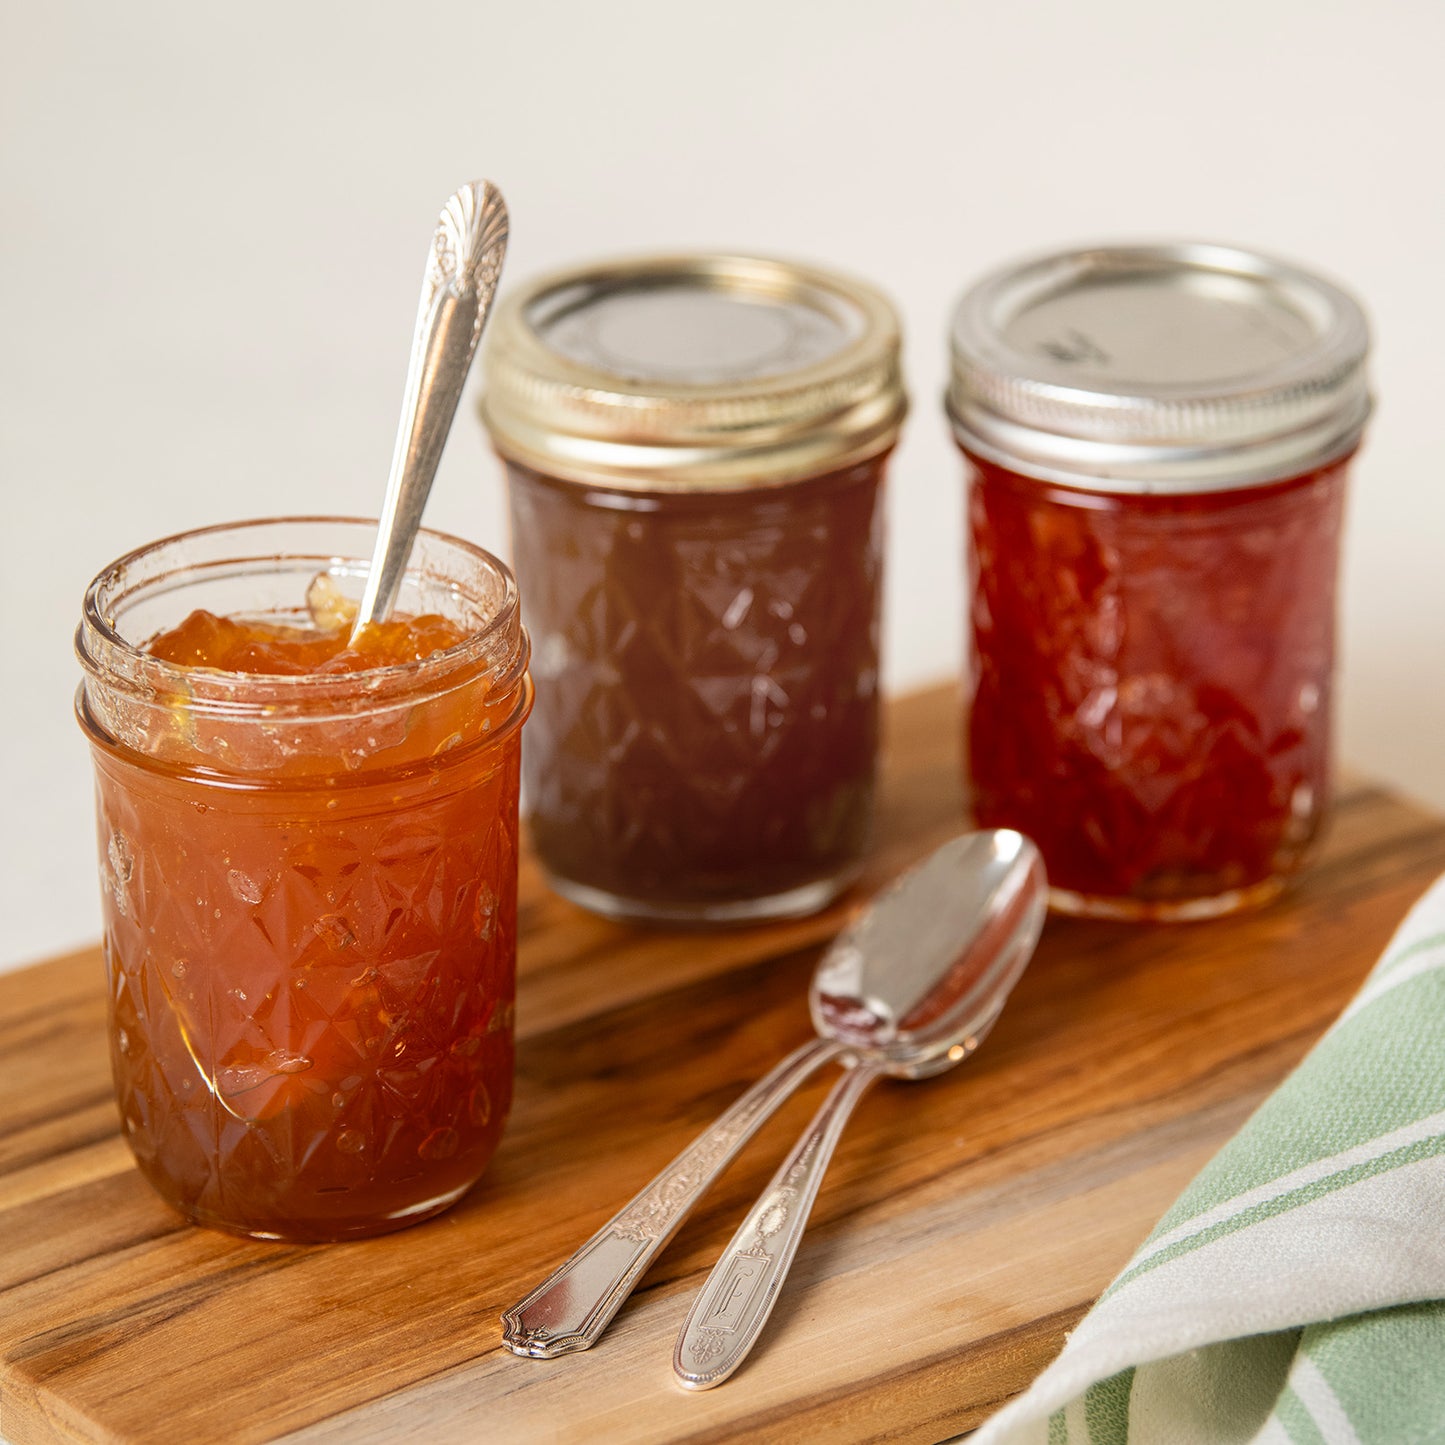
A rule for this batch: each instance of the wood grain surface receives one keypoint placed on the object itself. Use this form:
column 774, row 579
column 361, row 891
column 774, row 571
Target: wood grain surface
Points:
column 966, row 1224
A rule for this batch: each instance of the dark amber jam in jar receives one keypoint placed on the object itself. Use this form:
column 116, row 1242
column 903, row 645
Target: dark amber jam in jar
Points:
column 309, row 871
column 695, row 451
column 1158, row 441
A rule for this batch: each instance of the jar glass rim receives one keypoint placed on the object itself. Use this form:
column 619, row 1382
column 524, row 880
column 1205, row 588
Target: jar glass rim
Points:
column 116, row 661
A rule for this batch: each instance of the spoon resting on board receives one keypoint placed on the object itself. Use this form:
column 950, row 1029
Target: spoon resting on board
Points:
column 950, row 917
column 960, row 984
column 462, row 269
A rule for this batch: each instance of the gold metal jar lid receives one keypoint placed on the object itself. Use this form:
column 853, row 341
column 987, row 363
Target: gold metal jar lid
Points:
column 701, row 372
column 1158, row 368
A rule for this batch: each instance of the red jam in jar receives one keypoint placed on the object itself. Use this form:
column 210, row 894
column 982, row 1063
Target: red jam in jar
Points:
column 695, row 450
column 1158, row 442
column 308, row 865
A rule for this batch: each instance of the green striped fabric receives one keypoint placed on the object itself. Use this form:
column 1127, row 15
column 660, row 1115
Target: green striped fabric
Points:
column 1296, row 1291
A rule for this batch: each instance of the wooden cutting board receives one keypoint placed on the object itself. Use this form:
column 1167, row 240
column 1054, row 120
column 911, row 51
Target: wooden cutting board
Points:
column 966, row 1225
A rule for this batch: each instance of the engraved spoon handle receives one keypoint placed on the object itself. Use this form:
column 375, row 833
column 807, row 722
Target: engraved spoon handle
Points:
column 570, row 1308
column 733, row 1306
column 461, row 277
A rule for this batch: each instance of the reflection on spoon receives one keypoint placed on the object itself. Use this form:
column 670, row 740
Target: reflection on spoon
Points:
column 901, row 981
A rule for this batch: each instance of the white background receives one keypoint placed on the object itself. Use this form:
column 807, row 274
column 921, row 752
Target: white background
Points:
column 215, row 218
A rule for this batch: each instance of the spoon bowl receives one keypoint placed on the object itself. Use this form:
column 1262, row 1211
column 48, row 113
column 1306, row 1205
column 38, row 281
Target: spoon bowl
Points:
column 929, row 962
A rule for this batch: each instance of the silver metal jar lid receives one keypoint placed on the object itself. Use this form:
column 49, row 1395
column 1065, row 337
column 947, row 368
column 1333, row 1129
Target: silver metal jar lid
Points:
column 1159, row 368
column 683, row 373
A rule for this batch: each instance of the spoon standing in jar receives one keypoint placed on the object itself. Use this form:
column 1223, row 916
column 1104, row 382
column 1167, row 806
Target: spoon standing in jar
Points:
column 462, row 268
column 944, row 944
column 963, row 981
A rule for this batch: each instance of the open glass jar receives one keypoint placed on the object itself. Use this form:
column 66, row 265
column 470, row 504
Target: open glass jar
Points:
column 1158, row 439
column 309, row 885
column 695, row 450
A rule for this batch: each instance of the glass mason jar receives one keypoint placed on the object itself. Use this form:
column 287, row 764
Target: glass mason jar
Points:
column 1158, row 440
column 695, row 449
column 309, row 885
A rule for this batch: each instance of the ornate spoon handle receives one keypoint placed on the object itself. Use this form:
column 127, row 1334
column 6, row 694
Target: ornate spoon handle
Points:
column 571, row 1307
column 456, row 294
column 733, row 1306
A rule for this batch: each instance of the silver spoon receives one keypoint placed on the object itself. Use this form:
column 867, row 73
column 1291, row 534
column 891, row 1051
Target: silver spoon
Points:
column 907, row 957
column 461, row 277
column 960, row 978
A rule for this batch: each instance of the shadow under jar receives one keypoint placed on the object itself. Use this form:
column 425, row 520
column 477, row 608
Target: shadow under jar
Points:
column 695, row 449
column 309, row 881
column 1158, row 439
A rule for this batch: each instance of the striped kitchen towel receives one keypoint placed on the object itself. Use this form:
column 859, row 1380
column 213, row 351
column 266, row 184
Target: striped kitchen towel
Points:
column 1296, row 1291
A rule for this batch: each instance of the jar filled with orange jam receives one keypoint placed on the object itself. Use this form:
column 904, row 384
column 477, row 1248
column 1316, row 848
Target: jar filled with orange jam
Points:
column 308, row 857
column 695, row 449
column 1158, row 440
